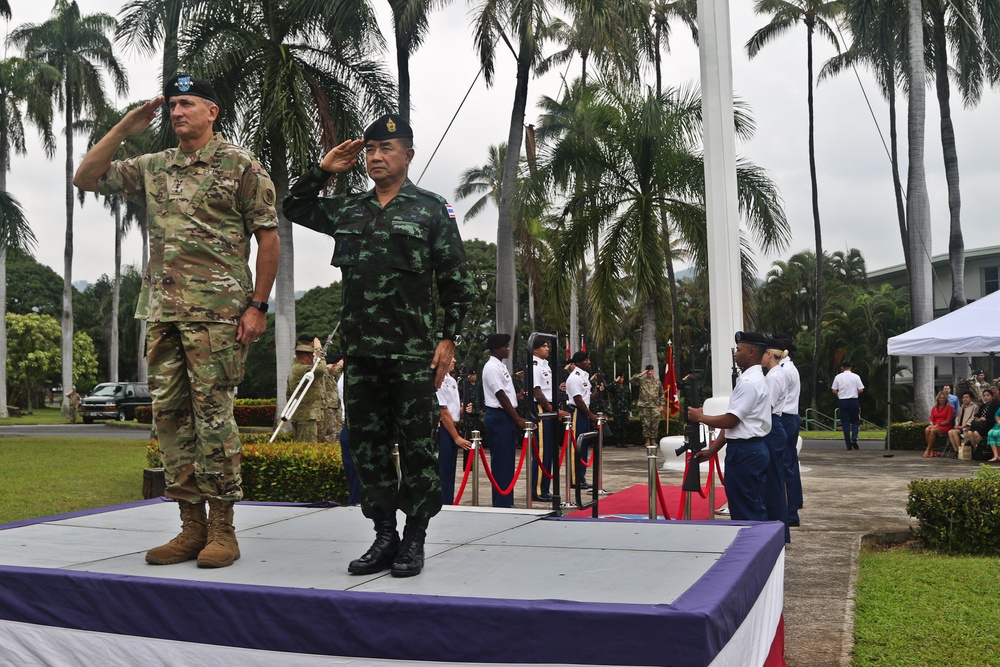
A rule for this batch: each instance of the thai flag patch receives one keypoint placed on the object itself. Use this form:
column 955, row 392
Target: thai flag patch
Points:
column 451, row 211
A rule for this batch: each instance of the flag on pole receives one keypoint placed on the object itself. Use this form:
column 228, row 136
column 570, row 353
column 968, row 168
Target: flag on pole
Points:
column 568, row 352
column 673, row 405
column 583, row 346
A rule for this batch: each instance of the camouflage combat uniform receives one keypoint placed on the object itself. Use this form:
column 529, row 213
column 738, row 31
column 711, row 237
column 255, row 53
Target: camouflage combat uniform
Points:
column 331, row 422
column 73, row 398
column 391, row 258
column 621, row 404
column 305, row 421
column 202, row 209
column 650, row 400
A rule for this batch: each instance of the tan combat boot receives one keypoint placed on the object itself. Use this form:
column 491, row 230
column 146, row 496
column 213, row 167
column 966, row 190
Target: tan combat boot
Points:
column 222, row 548
column 189, row 543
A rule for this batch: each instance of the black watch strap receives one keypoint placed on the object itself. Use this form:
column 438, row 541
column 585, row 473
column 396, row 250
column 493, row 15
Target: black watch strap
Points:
column 259, row 305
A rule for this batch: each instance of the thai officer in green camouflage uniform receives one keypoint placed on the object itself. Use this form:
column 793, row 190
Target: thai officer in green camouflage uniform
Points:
column 650, row 400
column 203, row 200
column 305, row 421
column 394, row 243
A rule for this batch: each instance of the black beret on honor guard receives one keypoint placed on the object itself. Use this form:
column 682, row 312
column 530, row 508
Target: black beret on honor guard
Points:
column 389, row 126
column 185, row 84
column 753, row 338
column 580, row 356
column 497, row 340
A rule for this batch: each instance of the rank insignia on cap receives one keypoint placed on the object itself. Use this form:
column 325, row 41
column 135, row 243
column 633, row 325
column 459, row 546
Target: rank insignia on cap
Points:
column 183, row 83
column 451, row 211
column 389, row 125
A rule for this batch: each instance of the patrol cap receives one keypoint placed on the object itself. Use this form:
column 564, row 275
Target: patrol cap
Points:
column 389, row 126
column 185, row 84
column 752, row 337
column 304, row 347
column 497, row 340
column 649, row 367
column 580, row 356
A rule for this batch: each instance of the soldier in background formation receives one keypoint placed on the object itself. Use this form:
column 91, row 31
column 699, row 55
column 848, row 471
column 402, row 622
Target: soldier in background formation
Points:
column 203, row 200
column 579, row 391
column 394, row 244
column 73, row 400
column 502, row 420
column 650, row 401
column 332, row 419
column 472, row 394
column 791, row 421
column 305, row 421
column 542, row 395
column 449, row 439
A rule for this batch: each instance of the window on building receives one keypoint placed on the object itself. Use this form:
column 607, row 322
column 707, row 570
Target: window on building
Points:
column 991, row 279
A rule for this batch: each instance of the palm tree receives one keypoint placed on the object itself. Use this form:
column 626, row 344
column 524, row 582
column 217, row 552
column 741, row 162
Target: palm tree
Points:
column 879, row 42
column 662, row 12
column 283, row 69
column 524, row 26
column 816, row 15
column 77, row 46
column 918, row 214
column 15, row 235
column 5, row 8
column 409, row 24
column 21, row 83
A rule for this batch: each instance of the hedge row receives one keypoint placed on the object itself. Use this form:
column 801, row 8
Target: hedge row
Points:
column 285, row 471
column 908, row 435
column 248, row 412
column 959, row 516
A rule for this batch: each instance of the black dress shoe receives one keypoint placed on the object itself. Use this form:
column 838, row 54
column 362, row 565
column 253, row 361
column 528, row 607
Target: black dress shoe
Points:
column 544, row 498
column 793, row 524
column 854, row 444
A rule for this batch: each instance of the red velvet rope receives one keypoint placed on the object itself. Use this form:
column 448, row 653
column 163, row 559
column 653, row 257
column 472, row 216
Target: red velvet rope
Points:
column 517, row 473
column 661, row 498
column 465, row 476
column 713, row 465
column 538, row 458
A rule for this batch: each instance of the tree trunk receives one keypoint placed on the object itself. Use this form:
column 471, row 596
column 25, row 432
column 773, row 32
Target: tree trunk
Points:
column 115, row 294
column 403, row 74
column 507, row 318
column 897, row 185
column 956, row 244
column 67, row 305
column 816, row 225
column 171, row 32
column 918, row 215
column 574, row 314
column 284, row 285
column 648, row 343
column 4, row 161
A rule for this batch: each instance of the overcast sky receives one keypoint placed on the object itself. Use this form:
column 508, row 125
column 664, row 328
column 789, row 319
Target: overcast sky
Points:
column 855, row 187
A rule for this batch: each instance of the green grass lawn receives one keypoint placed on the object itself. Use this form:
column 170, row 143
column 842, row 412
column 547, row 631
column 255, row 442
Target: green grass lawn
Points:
column 47, row 414
column 41, row 477
column 917, row 608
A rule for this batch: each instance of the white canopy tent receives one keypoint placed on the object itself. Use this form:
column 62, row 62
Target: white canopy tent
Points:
column 973, row 329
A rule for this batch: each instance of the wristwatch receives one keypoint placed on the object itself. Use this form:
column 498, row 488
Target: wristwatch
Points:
column 259, row 305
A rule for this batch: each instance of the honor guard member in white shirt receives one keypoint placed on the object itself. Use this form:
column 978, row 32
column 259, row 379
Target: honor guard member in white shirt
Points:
column 775, row 498
column 848, row 387
column 448, row 437
column 791, row 421
column 542, row 393
column 578, row 390
column 501, row 421
column 743, row 427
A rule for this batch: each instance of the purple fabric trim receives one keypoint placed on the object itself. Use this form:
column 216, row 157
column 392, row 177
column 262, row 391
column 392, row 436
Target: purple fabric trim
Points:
column 685, row 634
column 140, row 503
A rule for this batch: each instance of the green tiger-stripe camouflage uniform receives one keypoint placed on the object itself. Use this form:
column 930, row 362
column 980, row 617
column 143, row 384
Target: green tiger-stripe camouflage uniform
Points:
column 202, row 209
column 391, row 258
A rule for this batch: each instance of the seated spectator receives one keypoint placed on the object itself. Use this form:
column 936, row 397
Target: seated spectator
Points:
column 983, row 421
column 993, row 439
column 963, row 422
column 942, row 419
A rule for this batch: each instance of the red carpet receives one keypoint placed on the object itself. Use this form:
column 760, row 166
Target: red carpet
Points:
column 635, row 500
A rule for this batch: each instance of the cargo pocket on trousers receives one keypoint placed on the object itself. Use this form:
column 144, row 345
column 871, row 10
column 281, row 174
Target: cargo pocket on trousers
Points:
column 228, row 354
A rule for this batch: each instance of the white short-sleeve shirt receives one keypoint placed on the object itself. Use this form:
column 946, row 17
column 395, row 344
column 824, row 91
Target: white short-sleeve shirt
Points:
column 848, row 385
column 340, row 392
column 777, row 386
column 791, row 403
column 751, row 404
column 578, row 384
column 447, row 396
column 496, row 378
column 543, row 377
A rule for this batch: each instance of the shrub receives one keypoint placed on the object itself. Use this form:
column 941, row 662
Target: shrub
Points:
column 959, row 516
column 248, row 412
column 144, row 414
column 908, row 435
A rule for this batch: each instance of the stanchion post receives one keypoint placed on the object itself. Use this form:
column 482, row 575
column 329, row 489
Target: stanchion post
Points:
column 599, row 460
column 570, row 453
column 651, row 479
column 711, row 486
column 529, row 436
column 477, row 442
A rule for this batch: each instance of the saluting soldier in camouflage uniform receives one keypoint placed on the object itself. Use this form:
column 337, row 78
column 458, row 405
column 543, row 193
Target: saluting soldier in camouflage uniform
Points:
column 204, row 200
column 394, row 243
column 73, row 398
column 650, row 400
column 474, row 405
column 305, row 421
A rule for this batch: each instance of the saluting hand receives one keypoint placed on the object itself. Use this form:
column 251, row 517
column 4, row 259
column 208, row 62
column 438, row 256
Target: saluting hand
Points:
column 139, row 118
column 441, row 363
column 343, row 157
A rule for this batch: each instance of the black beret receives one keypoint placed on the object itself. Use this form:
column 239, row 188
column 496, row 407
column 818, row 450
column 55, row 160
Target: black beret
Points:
column 846, row 364
column 775, row 343
column 538, row 342
column 580, row 356
column 752, row 337
column 389, row 126
column 185, row 84
column 649, row 367
column 497, row 340
column 786, row 339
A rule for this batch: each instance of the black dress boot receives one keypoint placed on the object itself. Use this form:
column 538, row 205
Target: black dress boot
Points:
column 410, row 558
column 383, row 550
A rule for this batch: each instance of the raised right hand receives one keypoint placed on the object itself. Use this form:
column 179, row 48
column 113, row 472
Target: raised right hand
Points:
column 343, row 157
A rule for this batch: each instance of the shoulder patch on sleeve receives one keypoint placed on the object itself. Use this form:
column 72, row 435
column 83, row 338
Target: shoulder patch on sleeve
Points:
column 451, row 211
column 269, row 196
